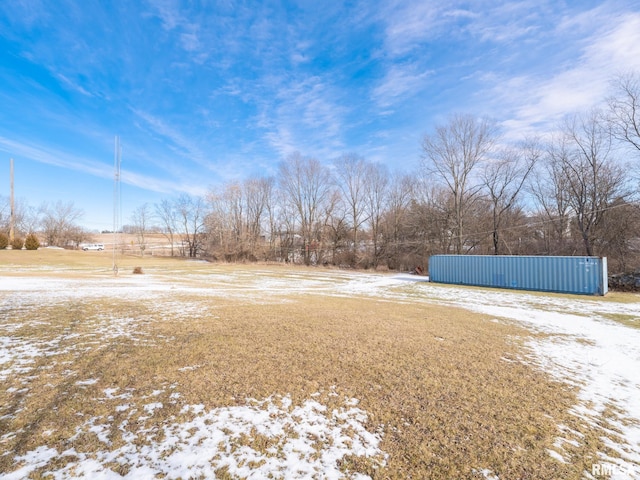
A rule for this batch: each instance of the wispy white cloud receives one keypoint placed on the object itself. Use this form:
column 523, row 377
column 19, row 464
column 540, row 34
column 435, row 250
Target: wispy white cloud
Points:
column 51, row 156
column 401, row 81
column 190, row 42
column 180, row 143
column 188, row 31
column 27, row 13
column 280, row 138
column 72, row 85
column 154, row 184
column 536, row 100
column 169, row 13
column 407, row 24
column 306, row 116
column 508, row 21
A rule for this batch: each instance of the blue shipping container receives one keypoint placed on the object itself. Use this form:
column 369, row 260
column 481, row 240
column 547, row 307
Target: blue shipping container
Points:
column 582, row 275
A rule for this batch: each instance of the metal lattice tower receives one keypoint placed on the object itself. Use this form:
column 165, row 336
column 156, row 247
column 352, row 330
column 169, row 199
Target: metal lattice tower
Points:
column 117, row 213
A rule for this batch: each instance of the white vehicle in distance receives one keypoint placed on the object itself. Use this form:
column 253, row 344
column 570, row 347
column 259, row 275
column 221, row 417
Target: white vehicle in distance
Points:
column 93, row 246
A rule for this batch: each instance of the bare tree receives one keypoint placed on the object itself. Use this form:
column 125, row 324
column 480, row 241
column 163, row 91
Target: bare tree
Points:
column 376, row 195
column 504, row 178
column 25, row 216
column 233, row 207
column 624, row 109
column 452, row 154
column 400, row 196
column 620, row 231
column 337, row 236
column 307, row 184
column 594, row 180
column 258, row 194
column 217, row 234
column 271, row 210
column 167, row 215
column 351, row 172
column 549, row 187
column 58, row 224
column 436, row 201
column 191, row 214
column 5, row 213
column 235, row 219
column 286, row 226
column 140, row 218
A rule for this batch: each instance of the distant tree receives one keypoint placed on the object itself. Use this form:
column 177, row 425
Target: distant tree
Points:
column 258, row 194
column 452, row 155
column 337, row 234
column 4, row 240
column 226, row 222
column 141, row 218
column 376, row 195
column 5, row 213
column 549, row 187
column 234, row 210
column 307, row 186
column 619, row 234
column 190, row 212
column 503, row 178
column 25, row 217
column 351, row 174
column 58, row 224
column 271, row 210
column 78, row 235
column 593, row 178
column 396, row 243
column 624, row 109
column 285, row 227
column 237, row 215
column 431, row 212
column 165, row 211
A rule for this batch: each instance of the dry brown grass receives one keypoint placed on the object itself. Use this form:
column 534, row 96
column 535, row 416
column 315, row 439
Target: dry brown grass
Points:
column 436, row 379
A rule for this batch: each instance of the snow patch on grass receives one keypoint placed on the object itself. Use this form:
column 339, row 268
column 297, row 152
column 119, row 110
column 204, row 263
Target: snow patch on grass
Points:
column 268, row 437
column 581, row 348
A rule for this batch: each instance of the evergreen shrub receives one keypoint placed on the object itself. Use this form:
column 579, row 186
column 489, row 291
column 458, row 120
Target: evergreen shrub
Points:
column 31, row 242
column 17, row 243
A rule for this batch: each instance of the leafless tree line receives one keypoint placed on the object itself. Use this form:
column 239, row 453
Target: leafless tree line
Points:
column 573, row 191
column 569, row 192
column 57, row 223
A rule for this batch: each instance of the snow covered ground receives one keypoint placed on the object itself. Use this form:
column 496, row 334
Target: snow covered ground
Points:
column 582, row 346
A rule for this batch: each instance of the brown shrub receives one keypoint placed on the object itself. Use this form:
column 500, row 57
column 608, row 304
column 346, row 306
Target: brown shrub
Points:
column 17, row 243
column 31, row 242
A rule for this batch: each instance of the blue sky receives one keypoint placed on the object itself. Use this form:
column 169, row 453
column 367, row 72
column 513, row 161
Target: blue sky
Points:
column 206, row 92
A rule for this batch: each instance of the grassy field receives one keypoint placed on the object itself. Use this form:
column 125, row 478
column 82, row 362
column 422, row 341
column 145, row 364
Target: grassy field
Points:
column 130, row 375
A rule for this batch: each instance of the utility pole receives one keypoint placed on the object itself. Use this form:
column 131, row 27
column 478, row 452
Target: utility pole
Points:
column 13, row 210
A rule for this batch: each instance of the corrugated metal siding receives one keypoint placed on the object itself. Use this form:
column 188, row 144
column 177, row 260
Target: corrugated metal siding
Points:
column 583, row 275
